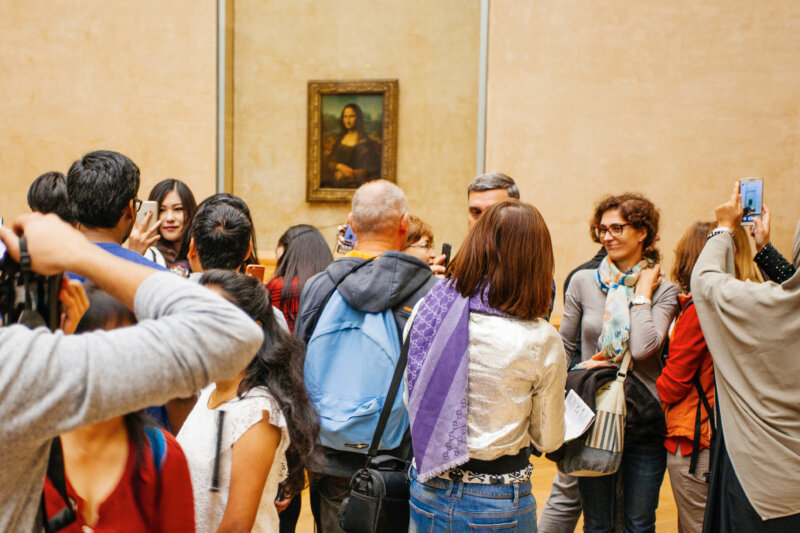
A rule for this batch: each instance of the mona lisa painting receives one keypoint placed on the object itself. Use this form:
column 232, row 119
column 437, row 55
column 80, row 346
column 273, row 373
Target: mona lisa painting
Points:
column 352, row 136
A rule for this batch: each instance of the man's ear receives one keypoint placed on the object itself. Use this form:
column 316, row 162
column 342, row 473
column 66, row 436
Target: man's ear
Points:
column 129, row 211
column 350, row 221
column 403, row 228
column 192, row 249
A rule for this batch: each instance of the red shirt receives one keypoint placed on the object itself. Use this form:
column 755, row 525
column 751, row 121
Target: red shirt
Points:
column 165, row 502
column 290, row 304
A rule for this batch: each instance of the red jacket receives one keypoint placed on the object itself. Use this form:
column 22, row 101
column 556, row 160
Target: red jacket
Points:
column 688, row 354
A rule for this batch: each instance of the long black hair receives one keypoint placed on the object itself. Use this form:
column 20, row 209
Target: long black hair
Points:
column 107, row 313
column 158, row 193
column 278, row 366
column 305, row 253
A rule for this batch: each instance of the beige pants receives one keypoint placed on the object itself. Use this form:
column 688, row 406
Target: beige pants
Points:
column 690, row 490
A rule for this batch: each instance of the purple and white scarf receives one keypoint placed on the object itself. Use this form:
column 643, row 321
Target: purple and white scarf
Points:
column 437, row 378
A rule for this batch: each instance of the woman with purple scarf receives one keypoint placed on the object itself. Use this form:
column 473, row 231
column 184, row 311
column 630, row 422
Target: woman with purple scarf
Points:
column 485, row 378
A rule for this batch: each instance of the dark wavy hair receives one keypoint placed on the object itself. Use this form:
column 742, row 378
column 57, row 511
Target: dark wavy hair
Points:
column 278, row 366
column 159, row 192
column 237, row 203
column 637, row 211
column 305, row 253
column 509, row 251
column 359, row 120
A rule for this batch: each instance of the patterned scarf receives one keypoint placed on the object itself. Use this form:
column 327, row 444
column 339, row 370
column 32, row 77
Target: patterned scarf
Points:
column 619, row 289
column 437, row 378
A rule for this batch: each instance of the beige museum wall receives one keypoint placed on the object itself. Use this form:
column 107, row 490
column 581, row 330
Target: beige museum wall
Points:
column 431, row 47
column 673, row 99
column 139, row 78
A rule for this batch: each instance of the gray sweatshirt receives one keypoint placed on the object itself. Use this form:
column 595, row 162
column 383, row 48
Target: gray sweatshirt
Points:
column 51, row 383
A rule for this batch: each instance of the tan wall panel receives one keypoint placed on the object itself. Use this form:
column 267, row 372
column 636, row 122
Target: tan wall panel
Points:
column 431, row 47
column 675, row 100
column 138, row 77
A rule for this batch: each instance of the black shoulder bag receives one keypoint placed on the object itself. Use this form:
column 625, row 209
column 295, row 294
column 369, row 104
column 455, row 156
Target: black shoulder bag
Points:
column 379, row 492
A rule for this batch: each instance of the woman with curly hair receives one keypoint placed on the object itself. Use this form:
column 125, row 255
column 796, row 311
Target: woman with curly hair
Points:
column 250, row 433
column 623, row 306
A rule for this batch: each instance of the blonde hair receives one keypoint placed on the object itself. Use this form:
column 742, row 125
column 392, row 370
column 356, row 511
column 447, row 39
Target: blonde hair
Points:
column 743, row 257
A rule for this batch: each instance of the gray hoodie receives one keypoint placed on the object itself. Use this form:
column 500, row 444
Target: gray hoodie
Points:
column 187, row 337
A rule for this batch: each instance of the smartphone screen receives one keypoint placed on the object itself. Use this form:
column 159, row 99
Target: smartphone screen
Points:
column 752, row 192
column 347, row 241
column 147, row 207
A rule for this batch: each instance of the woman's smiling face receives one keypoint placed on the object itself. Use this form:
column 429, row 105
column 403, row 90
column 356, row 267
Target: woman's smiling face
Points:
column 172, row 217
column 626, row 248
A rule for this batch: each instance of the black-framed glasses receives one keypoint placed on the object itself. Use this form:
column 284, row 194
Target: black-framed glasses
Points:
column 614, row 229
column 137, row 204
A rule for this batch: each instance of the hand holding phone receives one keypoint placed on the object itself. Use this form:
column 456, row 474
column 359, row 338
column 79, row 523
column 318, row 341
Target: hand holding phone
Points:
column 446, row 249
column 345, row 240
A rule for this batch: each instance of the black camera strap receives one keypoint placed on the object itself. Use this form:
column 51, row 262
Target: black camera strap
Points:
column 57, row 476
column 29, row 317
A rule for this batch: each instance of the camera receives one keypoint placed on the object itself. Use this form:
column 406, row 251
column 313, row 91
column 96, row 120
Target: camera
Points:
column 27, row 297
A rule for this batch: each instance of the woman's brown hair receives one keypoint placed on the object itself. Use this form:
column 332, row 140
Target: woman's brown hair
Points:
column 687, row 252
column 417, row 229
column 637, row 211
column 509, row 250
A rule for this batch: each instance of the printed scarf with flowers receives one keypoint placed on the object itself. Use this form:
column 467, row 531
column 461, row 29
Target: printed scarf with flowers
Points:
column 619, row 288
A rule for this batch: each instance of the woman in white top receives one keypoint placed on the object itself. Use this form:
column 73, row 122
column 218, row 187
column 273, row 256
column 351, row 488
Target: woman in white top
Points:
column 250, row 433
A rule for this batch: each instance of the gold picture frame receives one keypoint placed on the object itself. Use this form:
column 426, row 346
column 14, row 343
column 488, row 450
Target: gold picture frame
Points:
column 352, row 136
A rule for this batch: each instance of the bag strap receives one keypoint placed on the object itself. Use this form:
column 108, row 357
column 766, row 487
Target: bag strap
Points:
column 158, row 447
column 57, row 476
column 399, row 370
column 312, row 325
column 702, row 401
column 622, row 373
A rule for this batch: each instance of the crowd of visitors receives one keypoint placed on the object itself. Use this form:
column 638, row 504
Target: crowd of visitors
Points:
column 181, row 394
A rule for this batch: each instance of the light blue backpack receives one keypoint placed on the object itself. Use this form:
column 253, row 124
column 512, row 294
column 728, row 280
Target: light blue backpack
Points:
column 350, row 359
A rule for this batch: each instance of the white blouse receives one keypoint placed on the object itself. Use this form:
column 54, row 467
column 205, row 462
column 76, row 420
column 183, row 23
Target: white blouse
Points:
column 198, row 438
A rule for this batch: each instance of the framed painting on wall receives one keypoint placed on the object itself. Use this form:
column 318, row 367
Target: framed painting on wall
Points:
column 352, row 136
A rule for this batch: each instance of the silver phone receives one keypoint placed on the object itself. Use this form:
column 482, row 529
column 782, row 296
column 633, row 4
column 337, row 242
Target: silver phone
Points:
column 147, row 207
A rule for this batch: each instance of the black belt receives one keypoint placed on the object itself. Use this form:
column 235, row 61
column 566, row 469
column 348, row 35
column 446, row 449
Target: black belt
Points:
column 501, row 465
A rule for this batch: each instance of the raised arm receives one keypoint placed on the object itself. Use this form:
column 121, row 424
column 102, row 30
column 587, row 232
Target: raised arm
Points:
column 54, row 383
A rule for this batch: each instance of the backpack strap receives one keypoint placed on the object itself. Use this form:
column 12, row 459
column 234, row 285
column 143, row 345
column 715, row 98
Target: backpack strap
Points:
column 702, row 401
column 312, row 324
column 391, row 394
column 57, row 476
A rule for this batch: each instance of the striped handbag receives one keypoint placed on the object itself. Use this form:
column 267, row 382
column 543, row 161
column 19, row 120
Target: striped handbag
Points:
column 600, row 453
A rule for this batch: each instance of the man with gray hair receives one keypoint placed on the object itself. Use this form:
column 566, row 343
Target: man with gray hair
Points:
column 486, row 190
column 339, row 309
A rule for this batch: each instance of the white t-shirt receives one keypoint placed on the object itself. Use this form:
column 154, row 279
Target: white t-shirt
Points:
column 198, row 438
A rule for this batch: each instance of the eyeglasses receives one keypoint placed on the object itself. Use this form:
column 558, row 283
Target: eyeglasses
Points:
column 614, row 229
column 137, row 204
column 423, row 246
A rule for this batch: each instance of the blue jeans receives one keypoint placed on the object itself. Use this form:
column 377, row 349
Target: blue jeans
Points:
column 642, row 472
column 444, row 506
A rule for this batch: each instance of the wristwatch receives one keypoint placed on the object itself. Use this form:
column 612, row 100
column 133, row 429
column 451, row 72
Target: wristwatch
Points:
column 641, row 300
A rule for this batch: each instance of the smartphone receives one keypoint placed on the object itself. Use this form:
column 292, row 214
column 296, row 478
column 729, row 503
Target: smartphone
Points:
column 2, row 245
column 147, row 207
column 752, row 192
column 256, row 271
column 346, row 242
column 446, row 249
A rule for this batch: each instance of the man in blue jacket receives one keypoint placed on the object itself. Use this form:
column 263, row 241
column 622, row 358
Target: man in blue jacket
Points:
column 392, row 281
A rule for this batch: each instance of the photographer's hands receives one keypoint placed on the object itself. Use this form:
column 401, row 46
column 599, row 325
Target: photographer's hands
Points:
column 74, row 304
column 142, row 238
column 55, row 247
column 729, row 214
